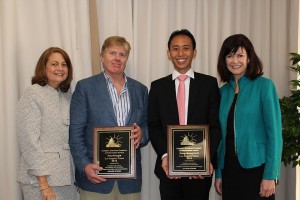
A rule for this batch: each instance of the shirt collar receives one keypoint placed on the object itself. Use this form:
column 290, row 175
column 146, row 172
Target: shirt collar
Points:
column 189, row 73
column 108, row 79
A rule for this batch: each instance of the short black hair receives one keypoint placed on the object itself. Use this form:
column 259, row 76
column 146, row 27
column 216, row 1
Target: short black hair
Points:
column 182, row 32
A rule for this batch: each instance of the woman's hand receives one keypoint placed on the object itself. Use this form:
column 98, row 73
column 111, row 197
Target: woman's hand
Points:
column 46, row 191
column 218, row 185
column 267, row 188
column 48, row 194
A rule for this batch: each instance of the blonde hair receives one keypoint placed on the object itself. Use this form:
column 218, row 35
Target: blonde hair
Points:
column 116, row 40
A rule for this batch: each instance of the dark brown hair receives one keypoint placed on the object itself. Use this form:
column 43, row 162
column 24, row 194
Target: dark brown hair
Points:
column 40, row 69
column 231, row 45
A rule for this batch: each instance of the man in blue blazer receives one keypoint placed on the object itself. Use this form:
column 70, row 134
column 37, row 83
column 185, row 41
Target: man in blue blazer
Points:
column 202, row 105
column 107, row 99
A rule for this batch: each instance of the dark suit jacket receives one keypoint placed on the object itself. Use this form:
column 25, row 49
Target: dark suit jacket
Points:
column 91, row 107
column 203, row 108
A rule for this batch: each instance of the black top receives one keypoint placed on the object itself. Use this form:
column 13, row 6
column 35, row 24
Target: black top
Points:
column 230, row 129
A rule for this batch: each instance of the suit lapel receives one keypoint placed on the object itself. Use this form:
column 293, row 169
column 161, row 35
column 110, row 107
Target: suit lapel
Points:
column 171, row 95
column 132, row 98
column 105, row 96
column 193, row 95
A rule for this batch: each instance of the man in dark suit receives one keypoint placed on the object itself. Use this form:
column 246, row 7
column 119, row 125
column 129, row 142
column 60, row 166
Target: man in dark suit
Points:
column 202, row 107
column 107, row 99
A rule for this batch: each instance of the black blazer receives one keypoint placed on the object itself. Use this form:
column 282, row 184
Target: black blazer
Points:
column 203, row 108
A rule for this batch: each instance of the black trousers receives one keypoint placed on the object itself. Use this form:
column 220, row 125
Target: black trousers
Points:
column 185, row 189
column 239, row 183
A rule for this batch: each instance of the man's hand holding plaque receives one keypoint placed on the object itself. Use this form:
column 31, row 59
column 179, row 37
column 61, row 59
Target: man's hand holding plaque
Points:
column 165, row 166
column 114, row 151
column 137, row 135
column 91, row 171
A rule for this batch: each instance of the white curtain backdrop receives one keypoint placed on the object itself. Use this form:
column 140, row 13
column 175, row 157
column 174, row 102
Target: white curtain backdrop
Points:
column 28, row 27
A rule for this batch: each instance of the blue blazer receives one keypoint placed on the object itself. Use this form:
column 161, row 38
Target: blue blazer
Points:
column 91, row 107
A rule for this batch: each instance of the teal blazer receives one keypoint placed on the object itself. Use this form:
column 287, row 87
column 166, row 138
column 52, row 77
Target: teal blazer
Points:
column 257, row 125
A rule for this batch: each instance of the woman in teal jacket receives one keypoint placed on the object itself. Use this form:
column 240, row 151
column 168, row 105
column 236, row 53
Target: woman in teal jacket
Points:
column 249, row 154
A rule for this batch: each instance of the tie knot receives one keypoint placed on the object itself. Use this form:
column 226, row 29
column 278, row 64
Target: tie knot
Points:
column 182, row 77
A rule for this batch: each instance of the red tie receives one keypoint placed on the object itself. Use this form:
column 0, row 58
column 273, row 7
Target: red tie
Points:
column 181, row 99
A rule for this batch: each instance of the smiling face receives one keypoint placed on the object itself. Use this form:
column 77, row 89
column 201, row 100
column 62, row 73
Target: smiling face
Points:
column 114, row 60
column 56, row 70
column 181, row 53
column 237, row 62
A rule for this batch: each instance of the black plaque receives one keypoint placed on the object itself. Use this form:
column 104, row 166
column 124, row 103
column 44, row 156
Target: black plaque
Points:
column 114, row 152
column 188, row 150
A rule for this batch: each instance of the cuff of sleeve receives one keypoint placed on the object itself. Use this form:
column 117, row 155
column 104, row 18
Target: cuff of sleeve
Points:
column 164, row 155
column 83, row 165
column 218, row 173
column 38, row 172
